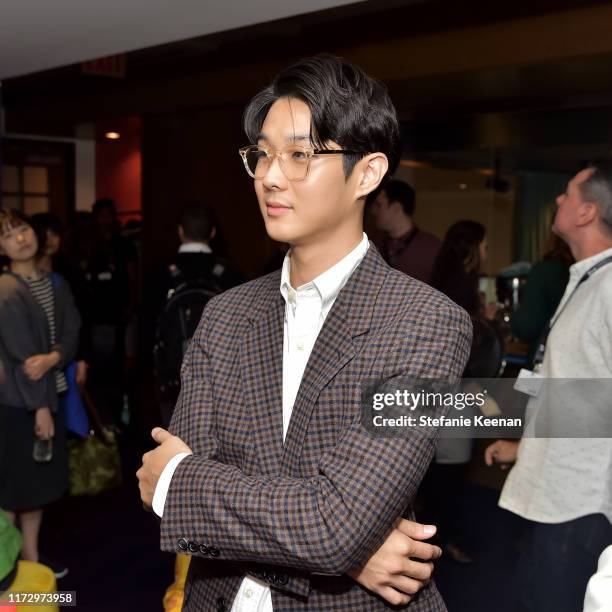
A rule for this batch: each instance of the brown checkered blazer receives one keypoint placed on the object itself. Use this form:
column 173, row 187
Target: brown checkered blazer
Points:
column 300, row 514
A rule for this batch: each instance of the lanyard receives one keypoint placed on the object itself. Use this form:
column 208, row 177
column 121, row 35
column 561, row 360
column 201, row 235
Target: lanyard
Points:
column 539, row 355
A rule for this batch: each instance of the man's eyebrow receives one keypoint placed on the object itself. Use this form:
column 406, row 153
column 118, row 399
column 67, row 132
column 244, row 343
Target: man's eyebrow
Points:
column 294, row 138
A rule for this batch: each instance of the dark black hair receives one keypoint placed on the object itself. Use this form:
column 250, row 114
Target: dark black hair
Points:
column 47, row 221
column 197, row 222
column 402, row 192
column 347, row 107
column 457, row 266
column 102, row 203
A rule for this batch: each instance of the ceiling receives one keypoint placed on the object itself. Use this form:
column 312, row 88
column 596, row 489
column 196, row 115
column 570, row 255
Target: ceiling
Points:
column 37, row 35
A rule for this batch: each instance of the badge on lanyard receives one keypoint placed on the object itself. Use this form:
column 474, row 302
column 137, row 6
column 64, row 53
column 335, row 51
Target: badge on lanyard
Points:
column 529, row 382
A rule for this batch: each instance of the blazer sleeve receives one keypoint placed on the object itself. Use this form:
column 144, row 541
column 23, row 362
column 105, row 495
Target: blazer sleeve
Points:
column 20, row 343
column 193, row 417
column 193, row 421
column 328, row 523
column 68, row 343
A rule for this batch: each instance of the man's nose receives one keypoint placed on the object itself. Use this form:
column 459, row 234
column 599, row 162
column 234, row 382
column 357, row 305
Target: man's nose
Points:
column 274, row 176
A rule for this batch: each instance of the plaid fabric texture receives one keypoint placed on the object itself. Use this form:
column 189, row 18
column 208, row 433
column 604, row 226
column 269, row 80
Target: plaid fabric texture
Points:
column 299, row 515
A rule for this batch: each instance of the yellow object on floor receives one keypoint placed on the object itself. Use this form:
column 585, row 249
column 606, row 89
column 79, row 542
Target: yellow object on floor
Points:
column 33, row 578
column 175, row 594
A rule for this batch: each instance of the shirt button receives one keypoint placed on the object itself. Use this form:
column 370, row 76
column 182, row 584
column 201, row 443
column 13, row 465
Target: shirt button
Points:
column 300, row 345
column 248, row 593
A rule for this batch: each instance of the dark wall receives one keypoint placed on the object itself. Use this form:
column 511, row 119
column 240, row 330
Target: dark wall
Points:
column 192, row 157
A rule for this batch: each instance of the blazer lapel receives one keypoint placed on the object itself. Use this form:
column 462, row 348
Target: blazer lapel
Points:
column 349, row 317
column 261, row 359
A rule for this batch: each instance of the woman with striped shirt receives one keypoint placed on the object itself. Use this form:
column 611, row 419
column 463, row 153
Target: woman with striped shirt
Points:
column 39, row 327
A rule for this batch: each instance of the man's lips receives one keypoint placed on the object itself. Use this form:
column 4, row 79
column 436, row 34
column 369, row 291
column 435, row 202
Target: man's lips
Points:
column 276, row 208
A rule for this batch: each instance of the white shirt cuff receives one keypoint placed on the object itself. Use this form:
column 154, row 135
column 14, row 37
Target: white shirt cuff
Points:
column 163, row 484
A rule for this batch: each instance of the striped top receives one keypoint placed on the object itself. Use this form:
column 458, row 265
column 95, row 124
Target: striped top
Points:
column 42, row 292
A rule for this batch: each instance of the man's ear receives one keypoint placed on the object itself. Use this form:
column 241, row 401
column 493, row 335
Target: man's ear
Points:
column 213, row 233
column 587, row 213
column 371, row 171
column 181, row 233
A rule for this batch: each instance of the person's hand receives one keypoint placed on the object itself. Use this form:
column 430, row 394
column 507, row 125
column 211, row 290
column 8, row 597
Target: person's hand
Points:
column 36, row 366
column 503, row 452
column 391, row 571
column 154, row 462
column 44, row 427
column 81, row 373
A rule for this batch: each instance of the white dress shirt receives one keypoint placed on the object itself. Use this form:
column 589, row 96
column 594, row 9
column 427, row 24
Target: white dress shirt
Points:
column 305, row 311
column 556, row 480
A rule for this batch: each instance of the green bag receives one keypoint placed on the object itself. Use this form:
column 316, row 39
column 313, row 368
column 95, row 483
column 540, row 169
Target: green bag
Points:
column 94, row 463
column 10, row 546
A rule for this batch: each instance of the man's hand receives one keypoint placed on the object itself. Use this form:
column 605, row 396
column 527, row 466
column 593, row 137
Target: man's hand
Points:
column 44, row 427
column 390, row 572
column 503, row 452
column 154, row 462
column 37, row 366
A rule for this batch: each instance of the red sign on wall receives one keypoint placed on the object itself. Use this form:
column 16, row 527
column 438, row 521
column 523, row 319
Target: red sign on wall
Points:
column 112, row 66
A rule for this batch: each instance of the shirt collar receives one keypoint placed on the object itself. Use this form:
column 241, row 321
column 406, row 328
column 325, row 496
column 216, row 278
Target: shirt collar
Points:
column 195, row 247
column 580, row 267
column 329, row 283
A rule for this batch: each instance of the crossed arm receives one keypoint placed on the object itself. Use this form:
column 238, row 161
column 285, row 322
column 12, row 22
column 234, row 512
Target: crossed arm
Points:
column 335, row 522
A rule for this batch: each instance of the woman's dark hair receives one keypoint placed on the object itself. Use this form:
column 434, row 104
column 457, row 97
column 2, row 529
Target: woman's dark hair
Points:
column 347, row 107
column 556, row 248
column 43, row 222
column 10, row 219
column 457, row 266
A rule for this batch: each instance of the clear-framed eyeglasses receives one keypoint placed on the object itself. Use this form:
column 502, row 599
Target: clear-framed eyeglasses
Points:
column 294, row 160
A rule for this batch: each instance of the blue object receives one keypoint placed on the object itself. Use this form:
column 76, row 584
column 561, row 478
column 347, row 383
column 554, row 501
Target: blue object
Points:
column 74, row 410
column 516, row 360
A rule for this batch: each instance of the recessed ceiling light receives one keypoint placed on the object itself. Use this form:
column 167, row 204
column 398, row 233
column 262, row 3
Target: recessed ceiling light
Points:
column 112, row 135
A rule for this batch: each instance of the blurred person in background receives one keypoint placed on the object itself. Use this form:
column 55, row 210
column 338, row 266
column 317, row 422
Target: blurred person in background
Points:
column 39, row 327
column 404, row 246
column 542, row 293
column 456, row 273
column 561, row 486
column 52, row 259
column 175, row 298
column 111, row 283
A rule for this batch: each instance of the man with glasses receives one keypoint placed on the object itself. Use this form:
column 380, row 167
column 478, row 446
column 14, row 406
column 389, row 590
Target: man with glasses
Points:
column 269, row 481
